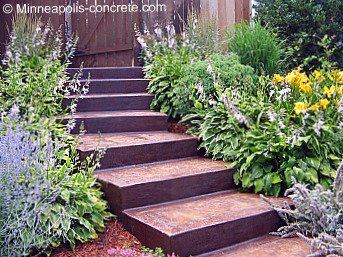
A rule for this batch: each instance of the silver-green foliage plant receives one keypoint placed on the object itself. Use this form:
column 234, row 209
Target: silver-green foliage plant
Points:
column 47, row 195
column 316, row 216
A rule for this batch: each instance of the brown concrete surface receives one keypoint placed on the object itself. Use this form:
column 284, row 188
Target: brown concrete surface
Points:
column 160, row 171
column 266, row 246
column 203, row 211
column 91, row 141
column 91, row 96
column 85, row 115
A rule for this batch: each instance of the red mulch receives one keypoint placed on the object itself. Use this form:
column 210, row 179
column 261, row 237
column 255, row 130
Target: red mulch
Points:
column 115, row 236
column 176, row 127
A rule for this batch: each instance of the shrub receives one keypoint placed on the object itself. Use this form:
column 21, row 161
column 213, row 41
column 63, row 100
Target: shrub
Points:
column 258, row 47
column 292, row 128
column 197, row 80
column 303, row 24
column 317, row 216
column 47, row 196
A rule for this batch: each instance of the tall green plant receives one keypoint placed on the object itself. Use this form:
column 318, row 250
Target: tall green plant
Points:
column 258, row 47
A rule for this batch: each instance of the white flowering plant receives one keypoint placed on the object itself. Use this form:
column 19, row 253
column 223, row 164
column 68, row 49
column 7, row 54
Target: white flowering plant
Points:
column 33, row 75
column 164, row 53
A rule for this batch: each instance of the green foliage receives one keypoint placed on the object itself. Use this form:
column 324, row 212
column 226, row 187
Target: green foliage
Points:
column 277, row 131
column 258, row 47
column 165, row 54
column 197, row 80
column 317, row 216
column 303, row 24
column 68, row 206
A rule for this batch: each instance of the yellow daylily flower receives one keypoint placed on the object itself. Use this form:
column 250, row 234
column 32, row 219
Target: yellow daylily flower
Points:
column 339, row 89
column 306, row 88
column 318, row 76
column 329, row 91
column 314, row 107
column 337, row 76
column 324, row 103
column 278, row 79
column 300, row 107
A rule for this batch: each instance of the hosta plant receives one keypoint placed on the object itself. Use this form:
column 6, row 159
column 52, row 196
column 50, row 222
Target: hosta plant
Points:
column 164, row 53
column 291, row 127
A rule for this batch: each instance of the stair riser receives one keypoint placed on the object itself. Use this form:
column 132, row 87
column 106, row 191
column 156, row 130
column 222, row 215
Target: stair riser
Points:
column 168, row 190
column 117, row 73
column 139, row 154
column 122, row 124
column 118, row 87
column 113, row 103
column 208, row 238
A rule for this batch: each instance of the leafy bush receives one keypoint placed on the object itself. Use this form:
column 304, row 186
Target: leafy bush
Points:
column 258, row 47
column 198, row 81
column 303, row 24
column 317, row 216
column 34, row 78
column 292, row 128
column 47, row 196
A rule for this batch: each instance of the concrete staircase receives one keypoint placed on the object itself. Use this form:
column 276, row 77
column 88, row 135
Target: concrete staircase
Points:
column 158, row 183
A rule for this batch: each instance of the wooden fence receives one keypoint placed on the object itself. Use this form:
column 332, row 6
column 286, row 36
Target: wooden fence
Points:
column 107, row 38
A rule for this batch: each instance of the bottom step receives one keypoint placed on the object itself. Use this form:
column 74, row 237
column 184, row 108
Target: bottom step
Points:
column 202, row 224
column 265, row 246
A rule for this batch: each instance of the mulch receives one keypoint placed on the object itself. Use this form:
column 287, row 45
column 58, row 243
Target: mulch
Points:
column 176, row 127
column 115, row 237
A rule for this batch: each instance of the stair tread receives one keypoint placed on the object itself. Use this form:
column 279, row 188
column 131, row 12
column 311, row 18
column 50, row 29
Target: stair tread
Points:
column 265, row 246
column 116, row 80
column 128, row 113
column 112, row 95
column 127, row 176
column 91, row 141
column 181, row 216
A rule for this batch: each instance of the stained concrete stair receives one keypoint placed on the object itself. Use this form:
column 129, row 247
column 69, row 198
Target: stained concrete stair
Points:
column 117, row 86
column 109, row 72
column 113, row 102
column 139, row 147
column 157, row 183
column 120, row 121
column 154, row 183
column 265, row 246
column 203, row 223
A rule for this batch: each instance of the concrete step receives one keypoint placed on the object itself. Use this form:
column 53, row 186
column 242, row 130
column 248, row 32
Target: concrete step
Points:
column 120, row 121
column 154, row 183
column 202, row 224
column 265, row 246
column 110, row 72
column 139, row 147
column 112, row 102
column 117, row 86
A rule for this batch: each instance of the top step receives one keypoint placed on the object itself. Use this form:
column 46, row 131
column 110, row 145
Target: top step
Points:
column 110, row 72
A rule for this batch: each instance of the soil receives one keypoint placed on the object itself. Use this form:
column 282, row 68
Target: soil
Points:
column 115, row 236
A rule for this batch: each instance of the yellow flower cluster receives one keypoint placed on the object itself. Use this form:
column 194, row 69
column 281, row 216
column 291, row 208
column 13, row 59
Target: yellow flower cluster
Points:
column 301, row 107
column 333, row 86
